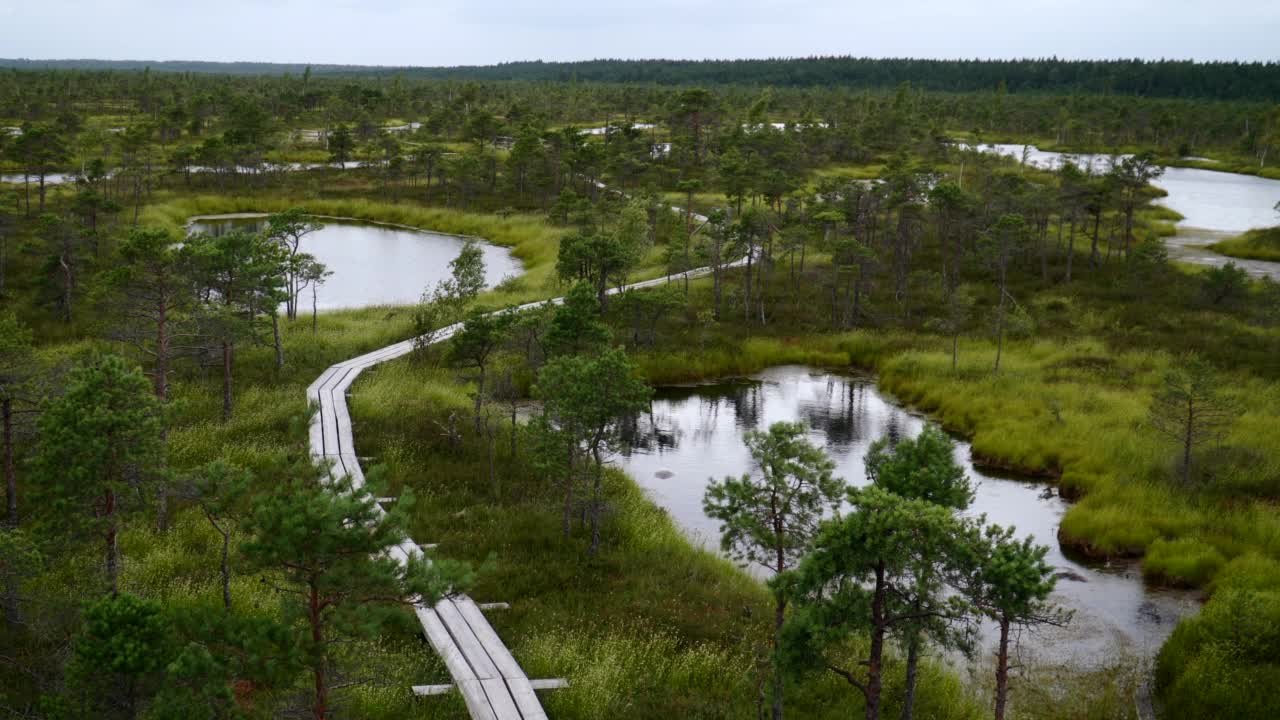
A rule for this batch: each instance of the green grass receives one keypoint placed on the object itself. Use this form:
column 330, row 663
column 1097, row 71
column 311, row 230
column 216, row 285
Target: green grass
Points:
column 530, row 237
column 651, row 627
column 849, row 171
column 1258, row 244
column 269, row 425
column 1072, row 410
column 703, row 202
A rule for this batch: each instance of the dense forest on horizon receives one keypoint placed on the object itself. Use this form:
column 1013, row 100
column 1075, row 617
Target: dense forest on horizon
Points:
column 1147, row 78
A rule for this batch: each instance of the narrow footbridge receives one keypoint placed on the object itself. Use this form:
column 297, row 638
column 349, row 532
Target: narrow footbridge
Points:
column 483, row 669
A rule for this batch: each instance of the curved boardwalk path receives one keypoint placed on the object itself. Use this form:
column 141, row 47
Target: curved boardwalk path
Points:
column 483, row 669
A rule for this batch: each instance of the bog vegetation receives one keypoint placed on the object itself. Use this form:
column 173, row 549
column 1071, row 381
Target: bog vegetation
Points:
column 171, row 549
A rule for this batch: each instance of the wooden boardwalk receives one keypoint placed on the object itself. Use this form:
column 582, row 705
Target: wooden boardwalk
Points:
column 492, row 683
column 483, row 669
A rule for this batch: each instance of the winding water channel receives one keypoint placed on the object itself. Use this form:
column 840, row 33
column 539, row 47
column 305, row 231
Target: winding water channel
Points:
column 374, row 264
column 695, row 432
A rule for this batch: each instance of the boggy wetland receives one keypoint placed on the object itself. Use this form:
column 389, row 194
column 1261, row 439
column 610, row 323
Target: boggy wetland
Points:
column 646, row 389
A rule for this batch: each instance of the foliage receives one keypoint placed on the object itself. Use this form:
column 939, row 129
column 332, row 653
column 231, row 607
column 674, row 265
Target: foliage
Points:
column 1219, row 663
column 575, row 327
column 771, row 520
column 333, row 549
column 1257, row 244
column 119, row 658
column 923, row 468
column 588, row 397
column 863, row 565
column 100, row 451
column 1191, row 410
column 1225, row 285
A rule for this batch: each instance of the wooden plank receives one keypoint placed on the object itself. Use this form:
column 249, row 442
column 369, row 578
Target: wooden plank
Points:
column 550, row 684
column 352, row 466
column 477, row 701
column 409, row 548
column 316, row 436
column 466, row 640
column 443, row 643
column 522, row 691
column 320, row 381
column 424, row 690
column 501, row 656
column 328, row 415
column 465, row 678
column 370, row 358
column 343, row 437
column 504, row 706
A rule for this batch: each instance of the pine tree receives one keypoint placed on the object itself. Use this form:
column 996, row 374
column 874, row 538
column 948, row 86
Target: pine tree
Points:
column 100, row 448
column 335, row 552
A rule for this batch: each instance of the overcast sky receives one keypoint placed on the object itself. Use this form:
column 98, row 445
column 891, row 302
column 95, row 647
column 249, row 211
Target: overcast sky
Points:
column 459, row 32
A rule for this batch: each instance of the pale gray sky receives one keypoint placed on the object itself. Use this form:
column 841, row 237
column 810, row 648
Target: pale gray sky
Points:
column 456, row 32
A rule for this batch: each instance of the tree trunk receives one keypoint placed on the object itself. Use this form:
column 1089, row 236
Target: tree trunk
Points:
column 320, row 709
column 113, row 565
column 161, row 379
column 913, row 662
column 779, row 617
column 68, row 285
column 4, row 257
column 1002, row 670
column 315, row 319
column 876, row 654
column 1071, row 248
column 162, row 509
column 717, row 272
column 1128, row 228
column 568, row 494
column 275, row 334
column 12, row 606
column 1188, row 440
column 1044, row 249
column 479, row 399
column 10, row 469
column 224, row 564
column 1093, row 248
column 490, row 432
column 227, row 352
column 1000, row 313
column 595, row 500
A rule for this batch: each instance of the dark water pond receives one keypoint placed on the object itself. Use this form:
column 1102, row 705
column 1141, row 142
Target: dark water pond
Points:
column 695, row 433
column 375, row 264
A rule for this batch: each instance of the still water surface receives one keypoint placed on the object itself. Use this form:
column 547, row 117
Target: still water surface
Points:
column 375, row 264
column 695, row 433
column 1214, row 205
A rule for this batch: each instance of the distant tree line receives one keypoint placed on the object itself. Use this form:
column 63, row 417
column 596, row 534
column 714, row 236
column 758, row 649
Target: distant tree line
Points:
column 1148, row 78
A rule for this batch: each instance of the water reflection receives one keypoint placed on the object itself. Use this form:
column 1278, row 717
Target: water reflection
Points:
column 694, row 433
column 375, row 264
column 1214, row 205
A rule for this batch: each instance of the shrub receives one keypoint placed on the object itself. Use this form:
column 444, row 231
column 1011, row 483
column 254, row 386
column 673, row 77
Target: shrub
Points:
column 1225, row 286
column 1222, row 664
column 1185, row 561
